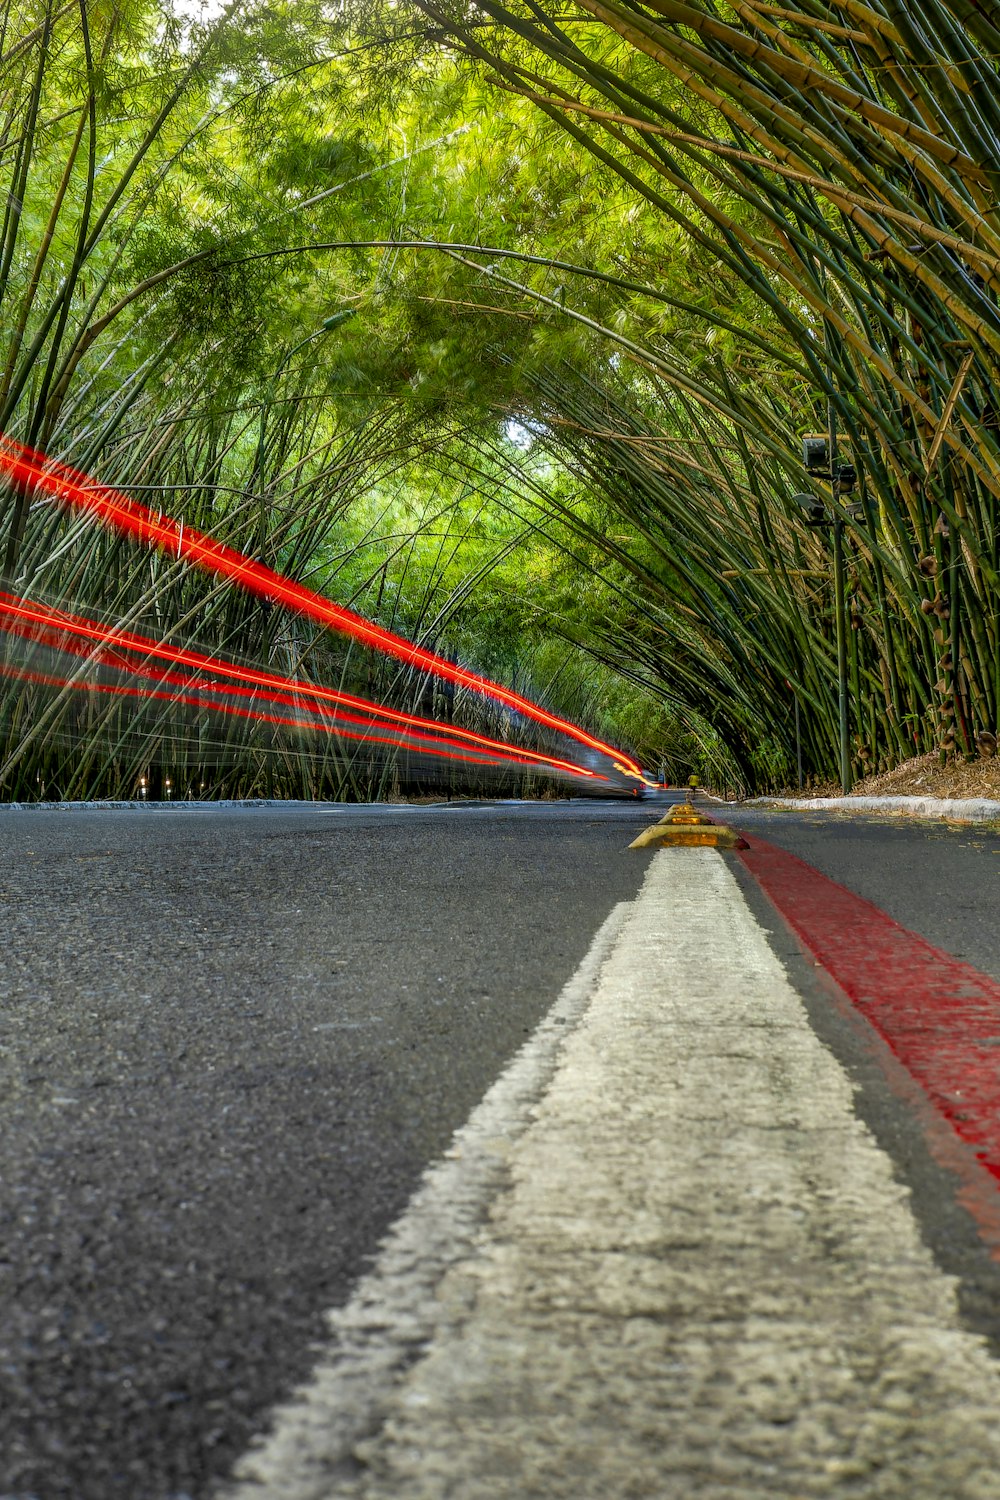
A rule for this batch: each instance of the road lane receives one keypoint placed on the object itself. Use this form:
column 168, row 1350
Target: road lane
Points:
column 700, row 1279
column 231, row 1042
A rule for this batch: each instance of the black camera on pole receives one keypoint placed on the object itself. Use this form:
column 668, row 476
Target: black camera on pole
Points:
column 814, row 508
column 816, row 460
column 846, row 476
column 816, row 452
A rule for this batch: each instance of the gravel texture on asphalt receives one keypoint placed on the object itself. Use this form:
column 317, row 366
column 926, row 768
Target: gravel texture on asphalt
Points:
column 701, row 1279
column 231, row 1039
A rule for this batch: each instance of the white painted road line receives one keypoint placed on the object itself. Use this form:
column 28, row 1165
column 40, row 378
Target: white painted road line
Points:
column 699, row 1279
column 395, row 1309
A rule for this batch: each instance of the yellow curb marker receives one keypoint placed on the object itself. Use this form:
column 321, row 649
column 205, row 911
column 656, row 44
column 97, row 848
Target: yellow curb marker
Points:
column 684, row 827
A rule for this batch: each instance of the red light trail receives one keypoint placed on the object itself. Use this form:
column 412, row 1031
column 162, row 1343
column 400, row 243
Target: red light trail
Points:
column 313, row 707
column 31, row 469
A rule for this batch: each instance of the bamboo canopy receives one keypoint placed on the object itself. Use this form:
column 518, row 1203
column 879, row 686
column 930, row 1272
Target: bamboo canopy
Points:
column 840, row 162
column 800, row 234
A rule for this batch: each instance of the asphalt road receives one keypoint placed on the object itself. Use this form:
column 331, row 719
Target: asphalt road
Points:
column 696, row 1275
column 232, row 1039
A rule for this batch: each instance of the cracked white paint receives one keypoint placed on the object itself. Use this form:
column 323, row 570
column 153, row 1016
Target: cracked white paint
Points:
column 697, row 1278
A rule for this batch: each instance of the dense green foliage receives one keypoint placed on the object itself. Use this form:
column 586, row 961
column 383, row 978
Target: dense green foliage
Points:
column 604, row 267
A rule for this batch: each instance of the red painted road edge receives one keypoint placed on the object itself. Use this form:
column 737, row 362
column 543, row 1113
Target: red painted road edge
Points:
column 938, row 1015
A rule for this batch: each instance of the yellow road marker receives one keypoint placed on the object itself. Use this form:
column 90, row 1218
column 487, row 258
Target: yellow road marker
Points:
column 687, row 828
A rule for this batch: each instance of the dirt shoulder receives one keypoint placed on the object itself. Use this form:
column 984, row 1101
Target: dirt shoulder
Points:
column 923, row 776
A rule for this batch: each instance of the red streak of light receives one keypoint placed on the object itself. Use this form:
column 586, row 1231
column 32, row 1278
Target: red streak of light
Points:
column 54, row 628
column 502, row 756
column 76, row 490
column 51, row 626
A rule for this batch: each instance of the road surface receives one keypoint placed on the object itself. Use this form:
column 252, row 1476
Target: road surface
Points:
column 234, row 1039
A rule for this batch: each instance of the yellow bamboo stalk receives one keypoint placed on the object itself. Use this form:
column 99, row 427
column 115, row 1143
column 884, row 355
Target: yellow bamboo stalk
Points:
column 805, row 78
column 844, row 199
column 949, row 407
column 799, row 18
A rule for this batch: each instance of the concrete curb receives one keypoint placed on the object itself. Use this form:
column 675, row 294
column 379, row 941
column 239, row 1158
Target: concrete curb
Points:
column 958, row 809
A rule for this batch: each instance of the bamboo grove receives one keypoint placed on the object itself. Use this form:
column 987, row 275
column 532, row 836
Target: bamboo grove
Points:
column 506, row 324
